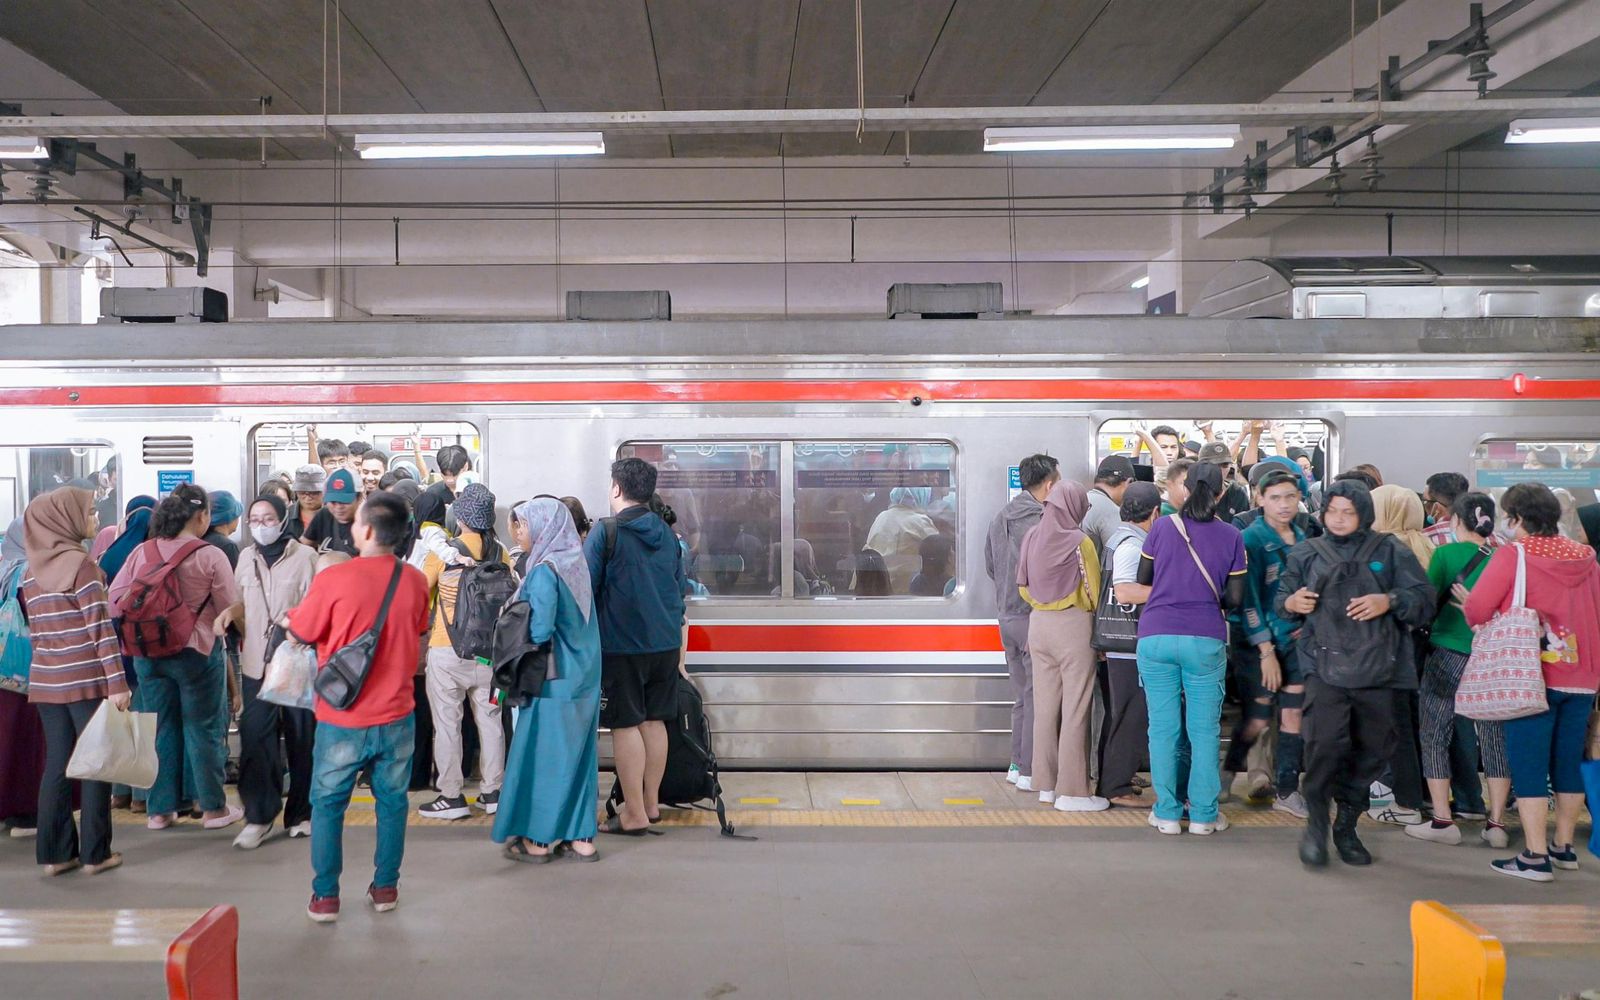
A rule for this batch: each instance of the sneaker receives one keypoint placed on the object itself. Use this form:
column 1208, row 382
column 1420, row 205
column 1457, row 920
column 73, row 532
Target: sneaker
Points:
column 1207, row 829
column 1094, row 803
column 1380, row 794
column 1496, row 836
column 252, row 836
column 1516, row 867
column 489, row 802
column 20, row 832
column 1024, row 783
column 1395, row 815
column 445, row 808
column 1294, row 804
column 1170, row 827
column 385, row 899
column 323, row 909
column 1260, row 792
column 1565, row 859
column 300, row 830
column 1447, row 834
column 1047, row 797
column 1013, row 774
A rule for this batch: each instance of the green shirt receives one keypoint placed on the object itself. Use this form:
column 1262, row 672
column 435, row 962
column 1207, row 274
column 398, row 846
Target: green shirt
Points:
column 1450, row 628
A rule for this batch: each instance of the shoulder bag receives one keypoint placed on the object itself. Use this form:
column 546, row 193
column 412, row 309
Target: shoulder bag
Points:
column 1504, row 677
column 1116, row 625
column 340, row 680
column 1205, row 574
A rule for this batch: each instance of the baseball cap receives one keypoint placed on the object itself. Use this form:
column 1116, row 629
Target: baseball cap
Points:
column 340, row 487
column 1114, row 469
column 309, row 479
column 1216, row 453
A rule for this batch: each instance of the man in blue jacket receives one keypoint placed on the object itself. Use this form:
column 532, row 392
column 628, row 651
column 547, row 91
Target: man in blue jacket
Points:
column 637, row 575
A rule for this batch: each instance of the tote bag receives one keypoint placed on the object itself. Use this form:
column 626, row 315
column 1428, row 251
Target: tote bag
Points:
column 288, row 677
column 1504, row 678
column 117, row 747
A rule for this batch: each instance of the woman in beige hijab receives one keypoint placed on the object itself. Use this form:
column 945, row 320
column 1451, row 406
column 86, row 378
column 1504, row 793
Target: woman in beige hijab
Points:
column 1399, row 513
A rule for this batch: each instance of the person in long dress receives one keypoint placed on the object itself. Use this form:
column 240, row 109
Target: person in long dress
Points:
column 547, row 804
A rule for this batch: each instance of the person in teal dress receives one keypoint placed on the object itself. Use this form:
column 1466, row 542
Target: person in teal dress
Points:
column 547, row 805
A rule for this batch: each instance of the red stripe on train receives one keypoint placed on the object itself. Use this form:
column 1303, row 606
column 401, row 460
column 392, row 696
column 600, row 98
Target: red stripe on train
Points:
column 803, row 391
column 922, row 637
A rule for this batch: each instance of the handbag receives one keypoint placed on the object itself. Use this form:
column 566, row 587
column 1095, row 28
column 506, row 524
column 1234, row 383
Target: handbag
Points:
column 1504, row 677
column 288, row 678
column 1116, row 625
column 116, row 746
column 16, row 649
column 340, row 680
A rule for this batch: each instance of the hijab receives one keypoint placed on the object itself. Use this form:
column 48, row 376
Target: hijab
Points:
column 553, row 539
column 54, row 528
column 225, row 508
column 12, row 554
column 915, row 497
column 1050, row 564
column 135, row 530
column 1589, row 517
column 1399, row 513
column 805, row 560
column 429, row 508
column 270, row 554
column 1361, row 498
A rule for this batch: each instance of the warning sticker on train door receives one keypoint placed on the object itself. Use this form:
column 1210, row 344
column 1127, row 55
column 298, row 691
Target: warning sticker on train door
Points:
column 1013, row 483
column 168, row 480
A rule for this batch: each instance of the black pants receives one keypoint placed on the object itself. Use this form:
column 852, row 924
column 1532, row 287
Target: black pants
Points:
column 58, row 840
column 261, row 725
column 1125, row 737
column 422, row 754
column 1349, row 736
column 1405, row 760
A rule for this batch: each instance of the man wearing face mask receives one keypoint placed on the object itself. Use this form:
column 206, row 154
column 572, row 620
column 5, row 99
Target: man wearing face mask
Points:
column 273, row 576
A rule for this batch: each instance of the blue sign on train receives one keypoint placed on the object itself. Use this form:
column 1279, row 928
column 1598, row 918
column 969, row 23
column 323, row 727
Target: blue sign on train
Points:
column 168, row 480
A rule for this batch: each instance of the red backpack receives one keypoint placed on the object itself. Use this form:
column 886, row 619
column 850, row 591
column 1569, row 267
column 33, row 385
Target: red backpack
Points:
column 151, row 617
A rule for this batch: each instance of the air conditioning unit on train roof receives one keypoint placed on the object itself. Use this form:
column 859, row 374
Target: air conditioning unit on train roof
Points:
column 962, row 300
column 619, row 307
column 163, row 305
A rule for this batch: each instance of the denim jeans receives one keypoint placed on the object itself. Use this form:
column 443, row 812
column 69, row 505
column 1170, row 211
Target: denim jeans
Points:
column 1546, row 750
column 191, row 717
column 338, row 756
column 1183, row 679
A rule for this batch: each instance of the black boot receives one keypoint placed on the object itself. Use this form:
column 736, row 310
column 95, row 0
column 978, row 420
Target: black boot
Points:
column 1351, row 850
column 1314, row 842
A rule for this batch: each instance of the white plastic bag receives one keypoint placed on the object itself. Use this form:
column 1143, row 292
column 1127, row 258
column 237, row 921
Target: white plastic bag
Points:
column 287, row 678
column 116, row 746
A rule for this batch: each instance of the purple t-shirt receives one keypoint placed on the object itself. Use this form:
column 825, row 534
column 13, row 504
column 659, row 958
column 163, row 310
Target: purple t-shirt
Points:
column 1180, row 601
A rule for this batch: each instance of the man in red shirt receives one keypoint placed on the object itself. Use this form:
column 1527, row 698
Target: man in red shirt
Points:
column 376, row 732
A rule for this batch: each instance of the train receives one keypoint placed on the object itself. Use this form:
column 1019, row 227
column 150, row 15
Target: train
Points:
column 770, row 434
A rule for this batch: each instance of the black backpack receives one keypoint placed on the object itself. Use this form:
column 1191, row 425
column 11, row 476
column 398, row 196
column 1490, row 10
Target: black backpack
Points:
column 520, row 667
column 482, row 589
column 1350, row 653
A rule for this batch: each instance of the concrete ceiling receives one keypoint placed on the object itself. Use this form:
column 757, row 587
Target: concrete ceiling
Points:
column 193, row 57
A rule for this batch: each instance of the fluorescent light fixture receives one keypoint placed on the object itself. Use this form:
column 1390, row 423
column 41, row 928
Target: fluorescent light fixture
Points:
column 16, row 147
column 1541, row 130
column 1141, row 283
column 1110, row 137
column 408, row 146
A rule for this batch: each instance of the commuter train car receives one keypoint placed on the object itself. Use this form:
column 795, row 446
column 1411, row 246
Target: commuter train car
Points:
column 789, row 447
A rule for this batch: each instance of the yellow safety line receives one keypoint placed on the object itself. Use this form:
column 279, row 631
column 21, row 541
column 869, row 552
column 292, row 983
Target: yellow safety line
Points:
column 963, row 802
column 861, row 802
column 762, row 801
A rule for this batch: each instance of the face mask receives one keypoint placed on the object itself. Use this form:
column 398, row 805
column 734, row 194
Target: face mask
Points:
column 265, row 535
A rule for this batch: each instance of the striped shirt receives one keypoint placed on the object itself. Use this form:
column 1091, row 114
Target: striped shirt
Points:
column 75, row 652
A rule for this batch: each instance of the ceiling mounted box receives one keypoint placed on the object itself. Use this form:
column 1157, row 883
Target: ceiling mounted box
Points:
column 619, row 307
column 163, row 305
column 964, row 300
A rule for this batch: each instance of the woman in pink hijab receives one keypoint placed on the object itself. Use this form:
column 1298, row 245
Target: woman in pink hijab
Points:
column 1058, row 574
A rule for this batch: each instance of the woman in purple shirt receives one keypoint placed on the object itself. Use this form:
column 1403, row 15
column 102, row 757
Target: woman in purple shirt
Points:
column 1194, row 565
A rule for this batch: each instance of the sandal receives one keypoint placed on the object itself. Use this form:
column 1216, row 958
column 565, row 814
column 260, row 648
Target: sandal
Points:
column 516, row 849
column 113, row 860
column 61, row 868
column 614, row 826
column 160, row 821
column 568, row 851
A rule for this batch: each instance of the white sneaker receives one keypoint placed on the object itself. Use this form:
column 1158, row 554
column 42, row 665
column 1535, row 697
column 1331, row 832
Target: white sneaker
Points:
column 1082, row 804
column 1047, row 797
column 1207, row 829
column 1024, row 783
column 1379, row 794
column 1438, row 834
column 1170, row 827
column 1395, row 815
column 252, row 836
column 1496, row 837
column 300, row 830
column 1012, row 774
column 1294, row 804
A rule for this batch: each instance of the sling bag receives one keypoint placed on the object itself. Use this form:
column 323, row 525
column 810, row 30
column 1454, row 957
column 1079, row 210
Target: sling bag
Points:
column 340, row 680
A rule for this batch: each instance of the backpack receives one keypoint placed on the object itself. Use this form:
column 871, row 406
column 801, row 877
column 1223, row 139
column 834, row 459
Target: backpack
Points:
column 482, row 589
column 151, row 617
column 1350, row 653
column 692, row 773
column 520, row 667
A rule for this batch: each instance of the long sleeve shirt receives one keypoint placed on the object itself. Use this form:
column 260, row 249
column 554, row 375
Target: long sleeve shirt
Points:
column 76, row 656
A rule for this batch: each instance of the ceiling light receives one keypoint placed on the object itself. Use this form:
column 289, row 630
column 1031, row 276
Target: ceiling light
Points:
column 405, row 146
column 1540, row 130
column 1141, row 283
column 1110, row 137
column 17, row 147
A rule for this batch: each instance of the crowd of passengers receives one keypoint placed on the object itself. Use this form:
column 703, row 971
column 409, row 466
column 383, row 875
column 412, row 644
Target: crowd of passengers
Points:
column 333, row 549
column 1342, row 613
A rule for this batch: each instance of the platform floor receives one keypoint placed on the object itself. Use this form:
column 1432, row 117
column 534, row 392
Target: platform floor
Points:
column 856, row 901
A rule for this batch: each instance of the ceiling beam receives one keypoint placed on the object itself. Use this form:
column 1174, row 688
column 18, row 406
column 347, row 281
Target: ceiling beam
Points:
column 1429, row 110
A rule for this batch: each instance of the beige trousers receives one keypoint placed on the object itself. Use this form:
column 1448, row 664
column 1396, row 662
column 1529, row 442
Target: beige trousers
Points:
column 1063, row 699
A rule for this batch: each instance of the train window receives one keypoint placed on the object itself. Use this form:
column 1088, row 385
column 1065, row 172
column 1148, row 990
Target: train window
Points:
column 875, row 519
column 282, row 448
column 725, row 502
column 1304, row 439
column 29, row 470
column 1570, row 468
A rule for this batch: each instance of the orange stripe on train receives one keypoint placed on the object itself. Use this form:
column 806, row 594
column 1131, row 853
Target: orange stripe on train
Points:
column 921, row 637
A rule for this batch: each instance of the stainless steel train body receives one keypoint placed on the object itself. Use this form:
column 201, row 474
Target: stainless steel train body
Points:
column 829, row 680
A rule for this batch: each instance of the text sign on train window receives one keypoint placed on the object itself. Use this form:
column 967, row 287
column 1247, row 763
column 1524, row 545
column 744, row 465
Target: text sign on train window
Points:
column 717, row 479
column 1571, row 468
column 870, row 478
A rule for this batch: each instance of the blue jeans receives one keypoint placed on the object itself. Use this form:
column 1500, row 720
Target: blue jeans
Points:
column 1183, row 681
column 191, row 718
column 1547, row 749
column 337, row 757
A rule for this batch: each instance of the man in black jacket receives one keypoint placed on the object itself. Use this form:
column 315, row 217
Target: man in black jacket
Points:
column 1355, row 592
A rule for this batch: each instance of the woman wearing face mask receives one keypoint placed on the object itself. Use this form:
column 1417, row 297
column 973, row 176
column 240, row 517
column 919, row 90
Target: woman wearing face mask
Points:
column 273, row 576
